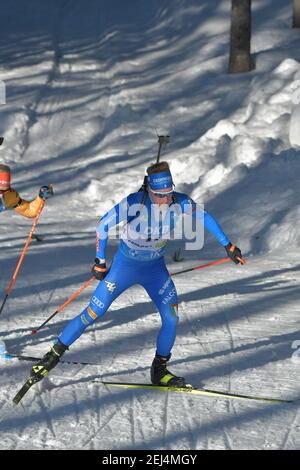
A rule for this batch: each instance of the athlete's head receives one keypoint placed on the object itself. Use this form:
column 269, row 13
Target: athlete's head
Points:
column 4, row 178
column 160, row 183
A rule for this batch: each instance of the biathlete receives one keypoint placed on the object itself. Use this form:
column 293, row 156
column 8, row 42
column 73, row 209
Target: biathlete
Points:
column 139, row 260
column 10, row 198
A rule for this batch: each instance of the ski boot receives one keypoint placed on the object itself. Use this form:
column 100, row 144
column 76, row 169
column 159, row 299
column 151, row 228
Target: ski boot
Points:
column 160, row 375
column 48, row 362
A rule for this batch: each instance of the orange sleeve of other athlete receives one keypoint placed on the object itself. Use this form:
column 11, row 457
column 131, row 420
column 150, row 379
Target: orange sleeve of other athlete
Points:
column 28, row 209
column 10, row 199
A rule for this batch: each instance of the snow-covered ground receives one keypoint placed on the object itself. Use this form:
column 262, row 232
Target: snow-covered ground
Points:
column 88, row 84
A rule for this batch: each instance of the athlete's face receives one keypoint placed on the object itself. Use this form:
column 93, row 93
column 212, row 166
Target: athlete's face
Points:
column 4, row 181
column 164, row 196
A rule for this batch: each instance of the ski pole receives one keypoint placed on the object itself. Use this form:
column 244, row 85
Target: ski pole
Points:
column 214, row 263
column 162, row 140
column 41, row 206
column 61, row 307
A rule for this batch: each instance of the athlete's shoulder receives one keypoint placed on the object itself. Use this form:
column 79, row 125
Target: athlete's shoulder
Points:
column 187, row 204
column 182, row 198
column 135, row 198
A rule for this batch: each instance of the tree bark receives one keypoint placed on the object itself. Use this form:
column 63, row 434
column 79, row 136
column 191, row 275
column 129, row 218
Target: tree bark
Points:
column 240, row 37
column 296, row 13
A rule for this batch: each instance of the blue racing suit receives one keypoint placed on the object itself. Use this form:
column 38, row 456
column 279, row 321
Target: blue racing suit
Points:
column 140, row 260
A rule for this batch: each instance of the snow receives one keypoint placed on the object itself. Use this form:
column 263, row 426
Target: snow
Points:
column 86, row 91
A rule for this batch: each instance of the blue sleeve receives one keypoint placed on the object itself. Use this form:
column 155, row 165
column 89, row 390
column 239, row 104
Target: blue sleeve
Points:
column 1, row 205
column 208, row 220
column 213, row 227
column 114, row 216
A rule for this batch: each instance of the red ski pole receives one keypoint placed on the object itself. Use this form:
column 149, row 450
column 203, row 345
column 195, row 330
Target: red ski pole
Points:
column 67, row 302
column 214, row 263
column 41, row 206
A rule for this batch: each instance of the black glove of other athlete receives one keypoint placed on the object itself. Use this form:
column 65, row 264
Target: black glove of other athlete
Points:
column 235, row 254
column 99, row 270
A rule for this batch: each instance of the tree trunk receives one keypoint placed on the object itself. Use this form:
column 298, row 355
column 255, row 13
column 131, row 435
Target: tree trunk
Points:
column 296, row 13
column 240, row 37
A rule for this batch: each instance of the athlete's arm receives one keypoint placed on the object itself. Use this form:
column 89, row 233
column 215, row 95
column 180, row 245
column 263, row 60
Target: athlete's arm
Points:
column 11, row 199
column 113, row 217
column 208, row 220
column 28, row 209
column 213, row 227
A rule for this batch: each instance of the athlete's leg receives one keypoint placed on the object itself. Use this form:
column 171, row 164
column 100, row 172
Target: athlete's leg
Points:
column 115, row 282
column 106, row 292
column 163, row 293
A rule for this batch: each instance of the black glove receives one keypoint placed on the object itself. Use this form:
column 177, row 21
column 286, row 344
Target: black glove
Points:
column 234, row 253
column 99, row 270
column 45, row 192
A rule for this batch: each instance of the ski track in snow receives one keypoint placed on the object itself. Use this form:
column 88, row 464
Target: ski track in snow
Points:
column 290, row 432
column 189, row 422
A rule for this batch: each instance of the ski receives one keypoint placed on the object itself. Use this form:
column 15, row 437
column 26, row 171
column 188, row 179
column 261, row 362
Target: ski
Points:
column 131, row 385
column 188, row 390
column 192, row 391
column 33, row 359
column 27, row 385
